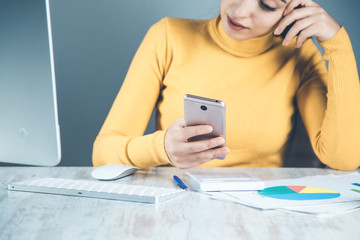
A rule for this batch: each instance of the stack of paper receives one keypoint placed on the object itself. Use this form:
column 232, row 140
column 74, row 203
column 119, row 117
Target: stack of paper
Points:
column 318, row 195
column 224, row 182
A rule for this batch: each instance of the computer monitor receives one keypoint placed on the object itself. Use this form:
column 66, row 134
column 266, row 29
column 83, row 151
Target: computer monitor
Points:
column 29, row 129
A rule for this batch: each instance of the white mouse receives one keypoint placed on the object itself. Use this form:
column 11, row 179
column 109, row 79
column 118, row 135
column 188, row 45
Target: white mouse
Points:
column 113, row 171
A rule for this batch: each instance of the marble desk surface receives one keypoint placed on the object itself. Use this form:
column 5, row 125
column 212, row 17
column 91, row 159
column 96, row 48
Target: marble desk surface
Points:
column 193, row 215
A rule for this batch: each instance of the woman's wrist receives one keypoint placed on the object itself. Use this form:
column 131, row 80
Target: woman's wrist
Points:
column 340, row 42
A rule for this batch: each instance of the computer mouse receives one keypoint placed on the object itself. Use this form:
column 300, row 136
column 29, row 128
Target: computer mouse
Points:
column 113, row 171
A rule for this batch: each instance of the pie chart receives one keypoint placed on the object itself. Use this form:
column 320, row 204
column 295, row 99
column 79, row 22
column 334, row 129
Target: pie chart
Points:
column 298, row 193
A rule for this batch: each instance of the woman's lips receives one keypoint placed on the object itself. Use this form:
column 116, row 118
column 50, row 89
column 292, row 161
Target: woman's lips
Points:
column 235, row 25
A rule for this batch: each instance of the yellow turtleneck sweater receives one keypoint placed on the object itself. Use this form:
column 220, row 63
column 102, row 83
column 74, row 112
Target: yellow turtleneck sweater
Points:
column 261, row 82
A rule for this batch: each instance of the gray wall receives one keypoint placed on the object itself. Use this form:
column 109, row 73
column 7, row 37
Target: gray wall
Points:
column 94, row 42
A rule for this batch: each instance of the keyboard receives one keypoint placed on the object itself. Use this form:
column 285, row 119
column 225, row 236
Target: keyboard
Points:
column 97, row 189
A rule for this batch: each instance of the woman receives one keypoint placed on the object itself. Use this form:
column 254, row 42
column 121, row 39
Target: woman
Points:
column 262, row 78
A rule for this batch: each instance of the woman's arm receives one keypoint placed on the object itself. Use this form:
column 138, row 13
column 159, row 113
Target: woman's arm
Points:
column 328, row 100
column 329, row 104
column 121, row 138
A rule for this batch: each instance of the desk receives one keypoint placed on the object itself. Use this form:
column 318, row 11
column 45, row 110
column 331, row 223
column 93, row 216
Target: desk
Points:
column 190, row 216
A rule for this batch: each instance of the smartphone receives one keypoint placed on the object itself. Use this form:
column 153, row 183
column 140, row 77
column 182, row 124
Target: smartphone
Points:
column 205, row 111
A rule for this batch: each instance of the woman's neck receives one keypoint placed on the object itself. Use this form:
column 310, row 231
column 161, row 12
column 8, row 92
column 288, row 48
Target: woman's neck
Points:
column 241, row 48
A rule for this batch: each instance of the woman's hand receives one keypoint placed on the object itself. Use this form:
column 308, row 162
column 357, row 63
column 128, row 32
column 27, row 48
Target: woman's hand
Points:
column 184, row 154
column 310, row 20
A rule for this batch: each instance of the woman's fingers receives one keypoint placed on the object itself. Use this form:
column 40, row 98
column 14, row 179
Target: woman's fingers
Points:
column 295, row 3
column 200, row 146
column 298, row 27
column 309, row 20
column 185, row 154
column 294, row 16
column 180, row 123
column 305, row 34
column 192, row 131
column 199, row 158
column 183, row 133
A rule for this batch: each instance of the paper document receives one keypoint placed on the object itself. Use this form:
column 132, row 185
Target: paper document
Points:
column 315, row 195
column 224, row 182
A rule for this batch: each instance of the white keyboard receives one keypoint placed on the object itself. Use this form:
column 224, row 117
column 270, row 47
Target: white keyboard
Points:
column 97, row 189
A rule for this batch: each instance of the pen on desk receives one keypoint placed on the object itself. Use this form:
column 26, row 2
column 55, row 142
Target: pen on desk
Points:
column 180, row 183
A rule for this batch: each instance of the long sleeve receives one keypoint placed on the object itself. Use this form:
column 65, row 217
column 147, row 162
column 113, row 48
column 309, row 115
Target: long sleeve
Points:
column 329, row 104
column 259, row 79
column 121, row 139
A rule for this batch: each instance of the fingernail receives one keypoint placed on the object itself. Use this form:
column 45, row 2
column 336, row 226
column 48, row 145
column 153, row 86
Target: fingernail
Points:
column 276, row 32
column 220, row 141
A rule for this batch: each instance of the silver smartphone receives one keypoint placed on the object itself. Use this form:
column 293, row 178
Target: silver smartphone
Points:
column 205, row 111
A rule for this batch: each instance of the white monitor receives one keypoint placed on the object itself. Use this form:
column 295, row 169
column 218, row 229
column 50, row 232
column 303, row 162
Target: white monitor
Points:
column 29, row 129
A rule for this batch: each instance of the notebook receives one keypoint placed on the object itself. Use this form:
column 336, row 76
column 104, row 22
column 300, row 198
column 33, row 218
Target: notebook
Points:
column 97, row 189
column 208, row 182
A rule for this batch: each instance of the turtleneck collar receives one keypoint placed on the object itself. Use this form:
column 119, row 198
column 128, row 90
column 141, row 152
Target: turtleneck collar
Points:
column 241, row 48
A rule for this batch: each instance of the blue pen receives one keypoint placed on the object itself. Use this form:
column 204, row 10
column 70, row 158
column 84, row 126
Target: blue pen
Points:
column 180, row 183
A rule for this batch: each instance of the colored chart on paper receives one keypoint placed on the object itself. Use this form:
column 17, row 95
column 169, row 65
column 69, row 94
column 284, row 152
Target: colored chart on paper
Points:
column 355, row 190
column 298, row 193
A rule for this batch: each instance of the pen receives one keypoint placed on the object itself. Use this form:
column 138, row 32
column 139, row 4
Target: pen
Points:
column 180, row 183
